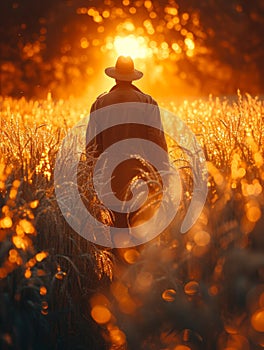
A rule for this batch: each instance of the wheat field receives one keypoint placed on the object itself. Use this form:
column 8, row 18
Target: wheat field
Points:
column 199, row 290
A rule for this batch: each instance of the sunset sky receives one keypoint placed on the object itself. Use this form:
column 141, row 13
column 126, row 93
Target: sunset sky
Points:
column 183, row 47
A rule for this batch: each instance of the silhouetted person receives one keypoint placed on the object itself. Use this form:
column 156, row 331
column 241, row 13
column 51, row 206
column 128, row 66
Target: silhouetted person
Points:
column 124, row 91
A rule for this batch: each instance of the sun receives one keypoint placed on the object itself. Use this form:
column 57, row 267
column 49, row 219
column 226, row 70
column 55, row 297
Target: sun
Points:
column 135, row 47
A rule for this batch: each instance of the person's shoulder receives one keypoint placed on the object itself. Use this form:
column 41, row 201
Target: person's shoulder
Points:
column 149, row 99
column 152, row 100
column 102, row 95
column 97, row 102
column 145, row 97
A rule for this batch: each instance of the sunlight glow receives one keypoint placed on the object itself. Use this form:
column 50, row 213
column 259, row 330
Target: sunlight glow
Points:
column 135, row 47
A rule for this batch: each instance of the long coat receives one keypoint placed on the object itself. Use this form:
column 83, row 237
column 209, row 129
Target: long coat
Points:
column 132, row 168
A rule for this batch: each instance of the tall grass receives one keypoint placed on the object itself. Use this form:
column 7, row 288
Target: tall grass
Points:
column 201, row 290
column 31, row 133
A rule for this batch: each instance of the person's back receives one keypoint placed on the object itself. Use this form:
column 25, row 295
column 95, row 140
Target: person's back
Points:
column 125, row 93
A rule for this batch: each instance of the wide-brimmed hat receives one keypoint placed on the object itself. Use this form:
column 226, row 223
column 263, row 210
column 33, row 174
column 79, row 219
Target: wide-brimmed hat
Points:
column 124, row 70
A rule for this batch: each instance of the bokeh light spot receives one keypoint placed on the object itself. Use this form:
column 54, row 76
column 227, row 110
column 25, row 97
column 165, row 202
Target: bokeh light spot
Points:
column 117, row 337
column 182, row 347
column 257, row 320
column 6, row 222
column 191, row 288
column 169, row 295
column 131, row 256
column 202, row 238
column 253, row 214
column 101, row 314
column 43, row 290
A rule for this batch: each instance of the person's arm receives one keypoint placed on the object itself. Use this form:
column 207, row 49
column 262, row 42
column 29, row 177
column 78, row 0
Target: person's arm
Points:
column 93, row 141
column 158, row 134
